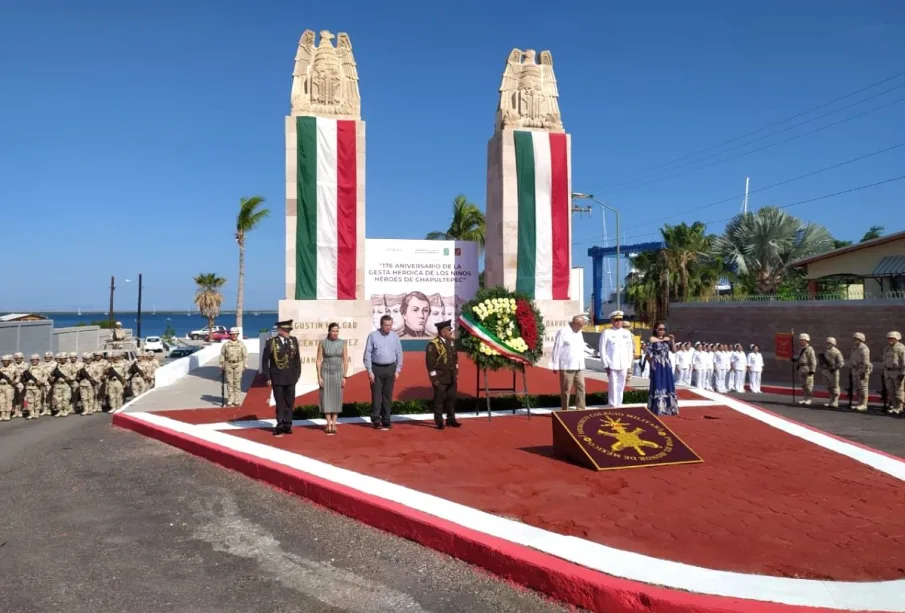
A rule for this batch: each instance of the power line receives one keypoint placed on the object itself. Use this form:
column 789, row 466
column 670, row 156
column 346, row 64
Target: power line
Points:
column 767, row 146
column 761, row 129
column 777, row 184
column 785, row 206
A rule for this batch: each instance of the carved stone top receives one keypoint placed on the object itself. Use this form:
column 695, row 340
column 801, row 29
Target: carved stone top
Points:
column 528, row 95
column 325, row 78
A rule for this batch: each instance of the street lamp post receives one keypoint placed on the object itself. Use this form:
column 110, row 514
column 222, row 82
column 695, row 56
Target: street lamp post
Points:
column 583, row 196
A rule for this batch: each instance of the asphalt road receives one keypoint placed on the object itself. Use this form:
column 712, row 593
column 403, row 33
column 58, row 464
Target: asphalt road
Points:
column 99, row 520
column 874, row 428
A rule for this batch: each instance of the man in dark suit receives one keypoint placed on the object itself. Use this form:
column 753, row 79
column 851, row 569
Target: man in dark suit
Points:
column 282, row 366
column 443, row 369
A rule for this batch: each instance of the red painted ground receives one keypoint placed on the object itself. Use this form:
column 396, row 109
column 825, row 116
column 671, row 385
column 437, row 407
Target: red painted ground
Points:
column 763, row 501
column 413, row 384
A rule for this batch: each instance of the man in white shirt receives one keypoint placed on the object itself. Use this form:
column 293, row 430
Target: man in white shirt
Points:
column 755, row 368
column 617, row 348
column 683, row 365
column 720, row 368
column 738, row 361
column 568, row 361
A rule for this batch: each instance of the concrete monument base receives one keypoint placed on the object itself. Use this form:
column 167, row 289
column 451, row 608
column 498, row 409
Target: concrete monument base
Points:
column 310, row 319
column 556, row 314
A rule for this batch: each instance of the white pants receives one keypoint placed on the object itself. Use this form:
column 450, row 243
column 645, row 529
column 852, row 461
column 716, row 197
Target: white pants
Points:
column 739, row 381
column 685, row 376
column 615, row 386
column 730, row 382
column 720, row 380
column 755, row 382
column 700, row 379
column 708, row 379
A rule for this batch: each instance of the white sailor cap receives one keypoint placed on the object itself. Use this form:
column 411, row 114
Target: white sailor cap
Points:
column 617, row 315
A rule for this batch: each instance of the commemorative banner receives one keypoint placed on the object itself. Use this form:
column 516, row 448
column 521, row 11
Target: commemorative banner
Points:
column 419, row 282
column 624, row 437
column 785, row 346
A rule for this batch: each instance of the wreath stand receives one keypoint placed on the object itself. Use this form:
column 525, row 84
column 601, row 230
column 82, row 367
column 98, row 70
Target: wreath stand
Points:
column 499, row 391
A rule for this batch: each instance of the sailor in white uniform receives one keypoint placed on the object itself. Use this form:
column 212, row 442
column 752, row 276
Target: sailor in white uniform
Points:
column 617, row 348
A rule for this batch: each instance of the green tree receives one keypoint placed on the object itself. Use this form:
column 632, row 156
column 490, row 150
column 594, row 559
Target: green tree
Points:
column 761, row 245
column 251, row 213
column 468, row 224
column 686, row 247
column 208, row 298
column 872, row 233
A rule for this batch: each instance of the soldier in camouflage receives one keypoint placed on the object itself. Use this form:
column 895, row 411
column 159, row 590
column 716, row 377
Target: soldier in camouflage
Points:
column 807, row 366
column 233, row 361
column 34, row 387
column 21, row 366
column 831, row 363
column 8, row 374
column 62, row 386
column 894, row 372
column 47, row 367
column 116, row 379
column 859, row 362
column 86, row 385
column 75, row 365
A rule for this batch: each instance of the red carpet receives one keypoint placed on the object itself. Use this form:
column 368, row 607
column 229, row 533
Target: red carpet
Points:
column 763, row 501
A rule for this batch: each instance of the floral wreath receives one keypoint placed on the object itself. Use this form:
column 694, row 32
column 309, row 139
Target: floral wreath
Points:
column 501, row 329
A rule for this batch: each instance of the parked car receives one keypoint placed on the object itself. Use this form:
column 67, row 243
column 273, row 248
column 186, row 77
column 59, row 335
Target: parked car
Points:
column 155, row 344
column 182, row 350
column 203, row 333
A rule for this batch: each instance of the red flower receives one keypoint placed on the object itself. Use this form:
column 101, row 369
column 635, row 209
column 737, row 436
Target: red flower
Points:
column 524, row 315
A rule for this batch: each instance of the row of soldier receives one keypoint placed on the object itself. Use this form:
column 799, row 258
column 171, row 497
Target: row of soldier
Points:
column 830, row 363
column 62, row 384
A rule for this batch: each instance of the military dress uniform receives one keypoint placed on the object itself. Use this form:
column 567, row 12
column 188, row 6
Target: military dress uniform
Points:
column 282, row 365
column 859, row 363
column 831, row 363
column 807, row 366
column 442, row 361
column 894, row 373
column 233, row 361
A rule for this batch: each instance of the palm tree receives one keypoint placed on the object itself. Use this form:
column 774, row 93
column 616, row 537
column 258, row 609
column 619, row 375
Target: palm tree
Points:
column 685, row 247
column 208, row 298
column 761, row 245
column 250, row 215
column 468, row 224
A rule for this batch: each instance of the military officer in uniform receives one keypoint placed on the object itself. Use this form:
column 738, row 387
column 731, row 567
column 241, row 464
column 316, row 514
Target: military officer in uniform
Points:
column 831, row 362
column 233, row 361
column 894, row 372
column 807, row 366
column 443, row 369
column 859, row 362
column 282, row 366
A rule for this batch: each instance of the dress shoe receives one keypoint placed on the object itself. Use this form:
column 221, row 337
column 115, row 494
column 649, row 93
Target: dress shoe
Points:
column 453, row 424
column 440, row 425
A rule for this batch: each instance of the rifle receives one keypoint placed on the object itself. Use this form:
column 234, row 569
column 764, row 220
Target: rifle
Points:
column 27, row 376
column 4, row 377
column 57, row 374
column 883, row 391
column 222, row 387
column 824, row 363
column 116, row 375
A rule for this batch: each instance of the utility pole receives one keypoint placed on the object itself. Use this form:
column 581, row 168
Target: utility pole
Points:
column 583, row 196
column 112, row 287
column 745, row 203
column 138, row 319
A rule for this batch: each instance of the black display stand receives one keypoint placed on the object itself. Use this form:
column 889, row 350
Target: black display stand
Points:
column 500, row 391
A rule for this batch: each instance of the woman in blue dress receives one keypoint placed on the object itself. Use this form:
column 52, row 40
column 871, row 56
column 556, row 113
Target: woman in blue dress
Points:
column 662, row 395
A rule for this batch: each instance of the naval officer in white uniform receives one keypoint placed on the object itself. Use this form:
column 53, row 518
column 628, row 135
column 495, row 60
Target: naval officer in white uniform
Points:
column 617, row 349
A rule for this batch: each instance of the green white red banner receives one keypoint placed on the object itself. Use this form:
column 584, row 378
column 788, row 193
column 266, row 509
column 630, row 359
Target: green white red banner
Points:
column 490, row 339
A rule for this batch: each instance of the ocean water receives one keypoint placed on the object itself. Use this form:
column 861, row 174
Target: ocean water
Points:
column 154, row 324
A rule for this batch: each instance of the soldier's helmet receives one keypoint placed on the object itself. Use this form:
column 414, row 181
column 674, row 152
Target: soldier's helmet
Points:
column 859, row 336
column 804, row 337
column 35, row 357
column 73, row 354
column 894, row 335
column 117, row 355
column 98, row 354
column 48, row 354
column 831, row 341
column 87, row 355
column 233, row 330
column 61, row 356
column 149, row 354
column 119, row 324
column 6, row 358
column 19, row 355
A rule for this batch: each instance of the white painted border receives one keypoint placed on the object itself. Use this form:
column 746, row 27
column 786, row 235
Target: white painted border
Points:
column 884, row 596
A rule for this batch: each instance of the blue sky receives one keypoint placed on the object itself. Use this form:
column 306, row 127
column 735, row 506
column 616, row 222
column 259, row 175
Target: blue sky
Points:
column 131, row 129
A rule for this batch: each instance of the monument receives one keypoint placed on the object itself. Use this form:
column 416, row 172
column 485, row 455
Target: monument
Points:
column 325, row 201
column 529, row 187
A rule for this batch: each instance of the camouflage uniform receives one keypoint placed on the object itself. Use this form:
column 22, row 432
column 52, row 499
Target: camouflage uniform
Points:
column 62, row 386
column 96, row 372
column 233, row 361
column 86, row 386
column 859, row 362
column 47, row 367
column 894, row 373
column 75, row 365
column 7, row 386
column 100, row 389
column 21, row 366
column 831, row 364
column 34, row 388
column 807, row 366
column 114, row 384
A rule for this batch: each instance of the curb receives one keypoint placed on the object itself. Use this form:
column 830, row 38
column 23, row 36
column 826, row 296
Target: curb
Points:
column 549, row 575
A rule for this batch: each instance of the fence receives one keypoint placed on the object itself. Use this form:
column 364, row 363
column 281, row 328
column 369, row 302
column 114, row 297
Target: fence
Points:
column 797, row 297
column 26, row 336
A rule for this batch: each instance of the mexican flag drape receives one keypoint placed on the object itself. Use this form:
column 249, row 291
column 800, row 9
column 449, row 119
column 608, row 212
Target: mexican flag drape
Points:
column 544, row 208
column 327, row 196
